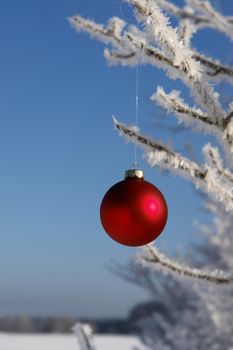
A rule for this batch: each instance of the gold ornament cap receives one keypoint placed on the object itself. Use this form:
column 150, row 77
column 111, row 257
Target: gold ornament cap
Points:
column 130, row 173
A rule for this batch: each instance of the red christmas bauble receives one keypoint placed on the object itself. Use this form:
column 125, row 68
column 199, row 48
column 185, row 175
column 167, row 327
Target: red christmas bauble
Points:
column 133, row 212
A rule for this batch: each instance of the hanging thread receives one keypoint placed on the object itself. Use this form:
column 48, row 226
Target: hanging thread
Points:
column 136, row 106
column 135, row 164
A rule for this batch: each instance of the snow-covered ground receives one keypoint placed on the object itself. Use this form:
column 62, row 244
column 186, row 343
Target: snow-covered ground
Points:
column 10, row 341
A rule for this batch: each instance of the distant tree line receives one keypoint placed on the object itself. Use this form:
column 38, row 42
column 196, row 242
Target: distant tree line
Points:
column 58, row 324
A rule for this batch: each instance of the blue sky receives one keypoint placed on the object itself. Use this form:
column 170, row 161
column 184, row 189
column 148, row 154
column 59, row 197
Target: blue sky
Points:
column 59, row 154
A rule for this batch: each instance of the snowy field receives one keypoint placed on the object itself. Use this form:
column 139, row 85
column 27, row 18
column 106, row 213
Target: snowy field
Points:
column 10, row 341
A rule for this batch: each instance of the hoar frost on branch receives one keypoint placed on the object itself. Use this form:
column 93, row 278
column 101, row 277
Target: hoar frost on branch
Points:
column 165, row 47
column 155, row 42
column 197, row 315
column 205, row 176
column 204, row 320
column 179, row 61
column 84, row 336
column 152, row 257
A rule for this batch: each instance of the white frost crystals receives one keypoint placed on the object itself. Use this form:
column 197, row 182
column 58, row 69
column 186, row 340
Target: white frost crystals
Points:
column 198, row 309
column 84, row 335
column 163, row 46
column 209, row 178
column 152, row 257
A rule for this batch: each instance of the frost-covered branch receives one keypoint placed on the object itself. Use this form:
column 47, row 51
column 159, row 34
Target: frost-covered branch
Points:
column 186, row 30
column 83, row 333
column 183, row 13
column 109, row 35
column 157, row 25
column 222, row 128
column 203, row 92
column 203, row 176
column 180, row 62
column 214, row 159
column 112, row 34
column 216, row 19
column 159, row 29
column 173, row 103
column 153, row 257
column 169, row 157
column 201, row 14
column 195, row 315
column 214, row 69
